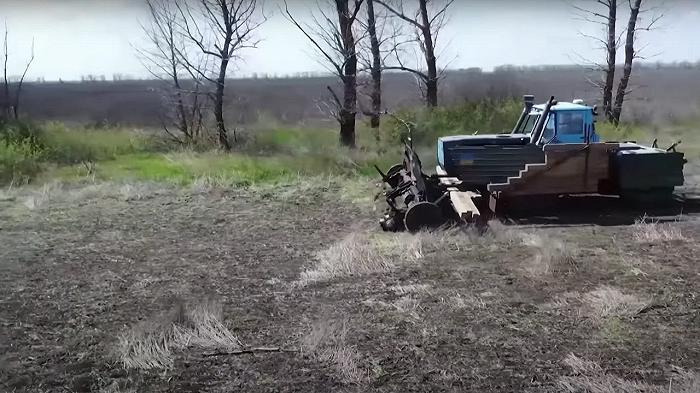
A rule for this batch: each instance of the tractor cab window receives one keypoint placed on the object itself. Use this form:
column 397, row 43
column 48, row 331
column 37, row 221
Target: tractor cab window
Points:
column 549, row 131
column 570, row 123
column 529, row 124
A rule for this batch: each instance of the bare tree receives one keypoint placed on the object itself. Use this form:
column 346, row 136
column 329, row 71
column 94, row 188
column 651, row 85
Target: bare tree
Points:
column 335, row 40
column 10, row 104
column 630, row 53
column 605, row 13
column 610, row 44
column 220, row 29
column 427, row 22
column 375, row 67
column 162, row 59
column 6, row 82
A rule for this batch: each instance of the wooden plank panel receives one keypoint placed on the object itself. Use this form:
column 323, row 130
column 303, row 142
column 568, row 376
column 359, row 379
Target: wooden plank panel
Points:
column 464, row 205
column 568, row 168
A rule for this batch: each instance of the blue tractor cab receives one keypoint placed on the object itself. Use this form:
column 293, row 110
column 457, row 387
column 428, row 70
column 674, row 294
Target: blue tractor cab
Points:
column 567, row 122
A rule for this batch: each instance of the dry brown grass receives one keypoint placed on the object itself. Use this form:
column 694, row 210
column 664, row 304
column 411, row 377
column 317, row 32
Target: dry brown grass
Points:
column 410, row 288
column 646, row 230
column 150, row 344
column 43, row 196
column 327, row 342
column 366, row 253
column 408, row 306
column 354, row 255
column 504, row 233
column 461, row 301
column 550, row 256
column 589, row 377
column 608, row 302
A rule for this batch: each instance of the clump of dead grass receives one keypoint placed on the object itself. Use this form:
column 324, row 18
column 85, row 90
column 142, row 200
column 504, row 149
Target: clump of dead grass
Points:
column 408, row 306
column 43, row 196
column 551, row 256
column 463, row 301
column 590, row 377
column 503, row 233
column 354, row 255
column 608, row 302
column 150, row 344
column 365, row 253
column 645, row 230
column 410, row 288
column 327, row 342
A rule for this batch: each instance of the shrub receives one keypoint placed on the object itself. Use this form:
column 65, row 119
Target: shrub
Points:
column 19, row 162
column 484, row 116
column 620, row 133
column 74, row 146
column 22, row 133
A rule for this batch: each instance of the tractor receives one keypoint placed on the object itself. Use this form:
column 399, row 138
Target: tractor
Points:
column 552, row 150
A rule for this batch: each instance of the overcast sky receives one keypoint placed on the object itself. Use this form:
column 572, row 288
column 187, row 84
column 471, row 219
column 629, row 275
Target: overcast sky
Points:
column 80, row 37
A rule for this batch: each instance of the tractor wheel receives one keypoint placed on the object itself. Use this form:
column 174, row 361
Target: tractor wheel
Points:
column 393, row 171
column 422, row 215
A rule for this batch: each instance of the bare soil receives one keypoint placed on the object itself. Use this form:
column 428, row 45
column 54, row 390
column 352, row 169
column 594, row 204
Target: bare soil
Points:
column 496, row 312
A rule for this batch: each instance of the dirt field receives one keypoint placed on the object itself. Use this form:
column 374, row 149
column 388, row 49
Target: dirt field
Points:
column 147, row 289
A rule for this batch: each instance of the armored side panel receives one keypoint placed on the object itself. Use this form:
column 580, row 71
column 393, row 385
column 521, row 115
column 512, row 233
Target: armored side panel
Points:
column 637, row 167
column 480, row 160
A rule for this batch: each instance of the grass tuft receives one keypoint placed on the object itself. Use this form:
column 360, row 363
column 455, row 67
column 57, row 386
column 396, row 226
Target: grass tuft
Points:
column 354, row 255
column 590, row 377
column 551, row 256
column 150, row 344
column 327, row 342
column 645, row 230
column 364, row 253
column 608, row 302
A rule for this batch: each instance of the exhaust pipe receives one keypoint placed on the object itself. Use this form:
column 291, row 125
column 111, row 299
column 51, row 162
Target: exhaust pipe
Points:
column 529, row 101
column 539, row 127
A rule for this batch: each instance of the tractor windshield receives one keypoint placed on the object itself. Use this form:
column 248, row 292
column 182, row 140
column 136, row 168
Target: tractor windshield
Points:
column 529, row 123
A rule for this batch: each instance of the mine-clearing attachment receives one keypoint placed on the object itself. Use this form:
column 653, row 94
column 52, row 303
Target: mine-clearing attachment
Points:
column 417, row 201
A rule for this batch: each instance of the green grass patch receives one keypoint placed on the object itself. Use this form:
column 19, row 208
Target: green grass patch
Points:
column 487, row 116
column 226, row 169
column 621, row 133
column 19, row 162
column 71, row 146
column 268, row 153
column 616, row 331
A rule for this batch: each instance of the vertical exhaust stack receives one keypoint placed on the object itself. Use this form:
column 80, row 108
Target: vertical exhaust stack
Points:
column 539, row 127
column 528, row 101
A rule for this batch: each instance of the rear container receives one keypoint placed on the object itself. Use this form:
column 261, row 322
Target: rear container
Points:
column 637, row 167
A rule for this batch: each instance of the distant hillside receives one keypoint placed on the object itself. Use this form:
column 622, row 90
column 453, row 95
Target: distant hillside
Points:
column 662, row 93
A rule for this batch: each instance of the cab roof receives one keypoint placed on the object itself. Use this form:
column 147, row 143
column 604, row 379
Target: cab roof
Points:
column 563, row 106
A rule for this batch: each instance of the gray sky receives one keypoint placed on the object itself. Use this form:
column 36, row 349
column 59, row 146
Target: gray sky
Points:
column 80, row 37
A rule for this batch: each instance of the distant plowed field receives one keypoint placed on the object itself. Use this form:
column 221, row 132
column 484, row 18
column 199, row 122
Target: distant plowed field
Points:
column 660, row 95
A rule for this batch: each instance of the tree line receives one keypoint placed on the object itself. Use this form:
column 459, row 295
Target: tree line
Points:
column 192, row 45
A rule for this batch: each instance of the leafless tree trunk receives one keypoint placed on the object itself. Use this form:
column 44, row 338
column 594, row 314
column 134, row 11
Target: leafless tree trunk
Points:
column 6, row 83
column 608, row 19
column 20, row 83
column 162, row 59
column 10, row 103
column 427, row 27
column 613, row 109
column 630, row 55
column 220, row 29
column 336, row 43
column 375, row 68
